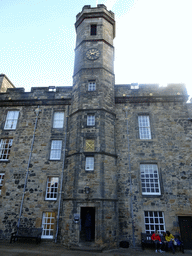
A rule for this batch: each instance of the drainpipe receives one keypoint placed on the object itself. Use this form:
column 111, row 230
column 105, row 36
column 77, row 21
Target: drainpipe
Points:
column 131, row 199
column 62, row 174
column 37, row 110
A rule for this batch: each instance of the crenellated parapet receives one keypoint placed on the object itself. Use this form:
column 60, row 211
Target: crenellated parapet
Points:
column 150, row 93
column 38, row 95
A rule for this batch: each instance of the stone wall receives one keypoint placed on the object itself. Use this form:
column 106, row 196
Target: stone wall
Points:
column 170, row 148
column 150, row 90
column 189, row 106
column 40, row 165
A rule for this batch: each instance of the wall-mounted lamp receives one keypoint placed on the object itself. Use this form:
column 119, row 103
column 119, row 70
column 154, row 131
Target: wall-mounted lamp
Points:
column 87, row 190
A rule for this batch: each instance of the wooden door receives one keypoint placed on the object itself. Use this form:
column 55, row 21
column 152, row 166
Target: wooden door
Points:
column 185, row 223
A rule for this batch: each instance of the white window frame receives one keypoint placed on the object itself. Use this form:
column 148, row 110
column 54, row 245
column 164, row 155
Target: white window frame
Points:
column 5, row 148
column 52, row 89
column 154, row 221
column 56, row 146
column 58, row 120
column 89, row 163
column 134, row 86
column 144, row 127
column 48, row 223
column 90, row 120
column 52, row 188
column 92, row 86
column 150, row 184
column 11, row 120
column 2, row 175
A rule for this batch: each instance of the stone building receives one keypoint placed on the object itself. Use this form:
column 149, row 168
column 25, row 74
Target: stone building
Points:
column 117, row 157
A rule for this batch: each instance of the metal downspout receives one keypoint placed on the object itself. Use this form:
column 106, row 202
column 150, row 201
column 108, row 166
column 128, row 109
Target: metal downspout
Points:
column 62, row 174
column 25, row 185
column 131, row 200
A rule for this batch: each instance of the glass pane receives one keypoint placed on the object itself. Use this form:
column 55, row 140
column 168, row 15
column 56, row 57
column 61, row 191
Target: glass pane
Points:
column 58, row 120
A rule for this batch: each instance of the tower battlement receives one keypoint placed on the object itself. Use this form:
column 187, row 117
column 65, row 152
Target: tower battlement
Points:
column 99, row 8
column 100, row 11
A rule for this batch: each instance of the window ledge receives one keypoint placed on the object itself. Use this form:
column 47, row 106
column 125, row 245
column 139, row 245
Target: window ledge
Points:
column 145, row 140
column 152, row 196
column 9, row 129
column 56, row 128
column 5, row 160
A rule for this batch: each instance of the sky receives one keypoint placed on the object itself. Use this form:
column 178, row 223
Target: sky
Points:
column 153, row 41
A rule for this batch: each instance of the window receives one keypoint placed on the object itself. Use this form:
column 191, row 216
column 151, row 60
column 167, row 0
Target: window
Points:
column 90, row 120
column 1, row 181
column 52, row 188
column 134, row 86
column 11, row 120
column 90, row 145
column 5, row 147
column 154, row 221
column 56, row 146
column 58, row 120
column 48, row 225
column 93, row 30
column 150, row 179
column 89, row 165
column 144, row 127
column 92, row 86
column 52, row 89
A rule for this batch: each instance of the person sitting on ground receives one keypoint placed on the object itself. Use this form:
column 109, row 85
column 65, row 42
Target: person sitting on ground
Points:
column 157, row 240
column 170, row 239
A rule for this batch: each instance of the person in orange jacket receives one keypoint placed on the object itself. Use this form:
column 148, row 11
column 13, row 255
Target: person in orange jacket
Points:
column 157, row 240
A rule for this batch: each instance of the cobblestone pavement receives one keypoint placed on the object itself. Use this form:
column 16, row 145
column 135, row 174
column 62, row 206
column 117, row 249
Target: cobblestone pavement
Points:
column 51, row 249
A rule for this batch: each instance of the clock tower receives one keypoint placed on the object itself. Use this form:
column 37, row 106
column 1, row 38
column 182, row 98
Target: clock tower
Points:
column 92, row 176
column 94, row 55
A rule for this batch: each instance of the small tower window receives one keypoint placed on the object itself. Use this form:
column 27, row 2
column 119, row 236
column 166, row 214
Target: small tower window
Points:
column 90, row 120
column 93, row 30
column 91, row 86
column 89, row 164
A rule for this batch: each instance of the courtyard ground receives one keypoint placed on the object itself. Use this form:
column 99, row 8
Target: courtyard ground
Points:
column 50, row 249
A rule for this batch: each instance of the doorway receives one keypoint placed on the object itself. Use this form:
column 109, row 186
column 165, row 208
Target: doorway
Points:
column 185, row 223
column 87, row 232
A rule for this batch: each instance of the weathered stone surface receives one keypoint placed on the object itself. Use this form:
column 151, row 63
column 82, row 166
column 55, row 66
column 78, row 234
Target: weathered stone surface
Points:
column 115, row 191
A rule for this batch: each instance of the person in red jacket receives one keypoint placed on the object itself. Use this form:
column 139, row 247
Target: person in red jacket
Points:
column 157, row 240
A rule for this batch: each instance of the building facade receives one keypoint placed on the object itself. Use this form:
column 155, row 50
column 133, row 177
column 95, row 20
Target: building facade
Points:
column 96, row 161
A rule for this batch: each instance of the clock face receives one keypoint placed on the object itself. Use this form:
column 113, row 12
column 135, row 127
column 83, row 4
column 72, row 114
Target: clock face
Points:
column 93, row 54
